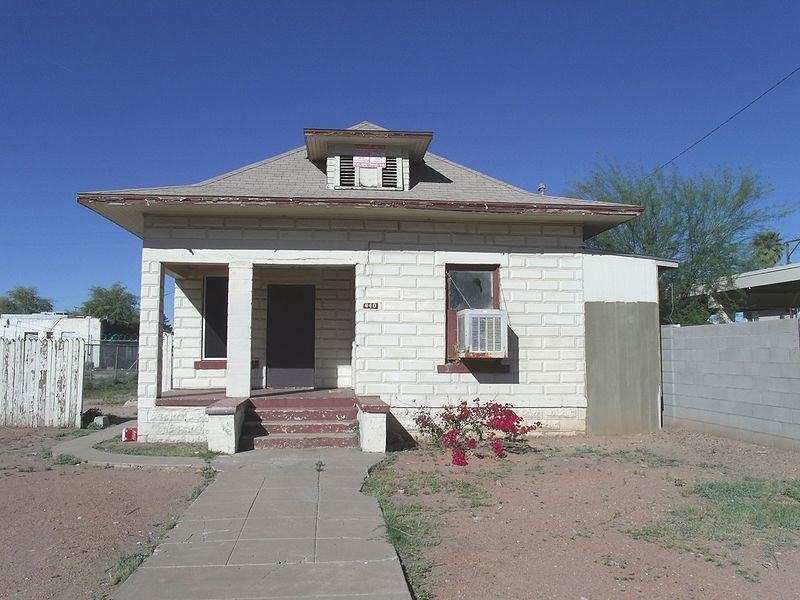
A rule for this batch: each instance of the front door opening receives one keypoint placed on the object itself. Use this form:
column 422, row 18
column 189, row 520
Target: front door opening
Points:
column 290, row 336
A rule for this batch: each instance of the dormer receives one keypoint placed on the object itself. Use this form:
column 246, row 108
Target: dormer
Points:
column 367, row 159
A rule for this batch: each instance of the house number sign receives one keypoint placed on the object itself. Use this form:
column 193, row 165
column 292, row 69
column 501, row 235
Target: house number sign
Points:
column 370, row 305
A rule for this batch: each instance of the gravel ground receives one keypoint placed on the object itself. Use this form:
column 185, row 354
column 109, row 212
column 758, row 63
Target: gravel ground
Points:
column 558, row 521
column 66, row 525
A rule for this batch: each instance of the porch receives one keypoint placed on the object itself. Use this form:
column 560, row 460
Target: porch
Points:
column 262, row 357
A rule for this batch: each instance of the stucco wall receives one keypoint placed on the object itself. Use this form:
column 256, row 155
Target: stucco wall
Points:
column 401, row 266
column 740, row 379
column 623, row 362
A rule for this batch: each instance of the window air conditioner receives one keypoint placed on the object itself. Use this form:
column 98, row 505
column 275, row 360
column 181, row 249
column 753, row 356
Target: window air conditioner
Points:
column 482, row 333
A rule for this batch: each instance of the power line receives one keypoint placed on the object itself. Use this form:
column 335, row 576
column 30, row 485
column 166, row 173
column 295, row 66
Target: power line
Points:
column 725, row 122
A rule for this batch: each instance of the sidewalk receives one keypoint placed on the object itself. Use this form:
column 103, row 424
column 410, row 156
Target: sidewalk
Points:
column 275, row 524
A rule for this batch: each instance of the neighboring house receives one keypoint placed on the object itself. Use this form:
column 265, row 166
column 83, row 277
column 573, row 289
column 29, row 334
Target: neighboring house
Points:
column 50, row 325
column 346, row 265
column 772, row 293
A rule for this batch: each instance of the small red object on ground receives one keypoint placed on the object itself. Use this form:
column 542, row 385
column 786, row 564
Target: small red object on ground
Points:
column 130, row 434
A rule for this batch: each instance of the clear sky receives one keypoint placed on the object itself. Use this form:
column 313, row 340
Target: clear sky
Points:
column 100, row 95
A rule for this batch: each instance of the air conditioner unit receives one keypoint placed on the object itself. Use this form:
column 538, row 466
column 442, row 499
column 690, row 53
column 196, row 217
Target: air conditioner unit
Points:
column 482, row 333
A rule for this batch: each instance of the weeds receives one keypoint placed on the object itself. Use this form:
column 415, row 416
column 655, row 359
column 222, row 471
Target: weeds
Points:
column 74, row 433
column 67, row 459
column 734, row 514
column 640, row 456
column 116, row 446
column 408, row 526
column 45, row 453
column 125, row 566
column 207, row 474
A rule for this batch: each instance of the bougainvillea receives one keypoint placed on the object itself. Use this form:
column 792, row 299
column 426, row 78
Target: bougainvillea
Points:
column 464, row 428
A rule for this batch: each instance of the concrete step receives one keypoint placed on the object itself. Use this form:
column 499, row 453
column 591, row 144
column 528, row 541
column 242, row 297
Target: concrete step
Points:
column 301, row 414
column 299, row 426
column 301, row 401
column 299, row 440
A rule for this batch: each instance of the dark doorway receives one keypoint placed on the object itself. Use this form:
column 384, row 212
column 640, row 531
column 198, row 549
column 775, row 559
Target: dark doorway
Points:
column 290, row 336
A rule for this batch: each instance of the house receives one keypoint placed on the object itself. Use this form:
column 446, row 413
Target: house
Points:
column 772, row 293
column 360, row 268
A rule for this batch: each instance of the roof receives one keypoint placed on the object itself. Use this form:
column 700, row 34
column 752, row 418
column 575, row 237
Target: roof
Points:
column 436, row 183
column 666, row 263
column 775, row 287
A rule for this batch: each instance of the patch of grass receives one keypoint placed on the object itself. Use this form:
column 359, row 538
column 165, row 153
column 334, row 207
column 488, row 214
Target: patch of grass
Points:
column 426, row 483
column 44, row 453
column 67, row 459
column 408, row 525
column 207, row 474
column 74, row 433
column 640, row 456
column 732, row 513
column 122, row 388
column 125, row 566
column 116, row 446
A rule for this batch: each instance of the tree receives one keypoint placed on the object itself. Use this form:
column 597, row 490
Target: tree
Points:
column 704, row 221
column 767, row 249
column 115, row 305
column 24, row 300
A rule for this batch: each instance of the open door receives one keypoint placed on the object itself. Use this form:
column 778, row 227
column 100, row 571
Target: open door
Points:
column 290, row 336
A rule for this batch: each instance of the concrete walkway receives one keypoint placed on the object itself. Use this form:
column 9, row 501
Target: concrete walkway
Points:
column 275, row 524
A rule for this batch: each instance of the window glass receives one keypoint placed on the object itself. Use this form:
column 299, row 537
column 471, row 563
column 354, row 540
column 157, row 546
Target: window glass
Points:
column 215, row 344
column 469, row 289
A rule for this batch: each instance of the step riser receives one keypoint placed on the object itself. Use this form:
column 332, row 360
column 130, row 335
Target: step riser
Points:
column 258, row 428
column 348, row 442
column 301, row 402
column 323, row 414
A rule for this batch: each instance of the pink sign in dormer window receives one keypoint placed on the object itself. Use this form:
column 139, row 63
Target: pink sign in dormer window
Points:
column 369, row 157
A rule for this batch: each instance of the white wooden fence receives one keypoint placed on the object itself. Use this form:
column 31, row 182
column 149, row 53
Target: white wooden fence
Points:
column 41, row 382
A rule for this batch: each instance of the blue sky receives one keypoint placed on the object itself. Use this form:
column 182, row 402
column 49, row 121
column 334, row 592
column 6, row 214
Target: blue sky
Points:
column 99, row 95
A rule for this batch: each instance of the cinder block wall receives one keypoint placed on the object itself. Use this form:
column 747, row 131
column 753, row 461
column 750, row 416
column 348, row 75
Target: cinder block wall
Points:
column 334, row 324
column 401, row 266
column 741, row 380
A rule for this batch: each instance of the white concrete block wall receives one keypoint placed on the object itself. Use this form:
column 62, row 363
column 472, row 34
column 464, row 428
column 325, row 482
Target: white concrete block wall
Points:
column 334, row 324
column 401, row 265
column 740, row 379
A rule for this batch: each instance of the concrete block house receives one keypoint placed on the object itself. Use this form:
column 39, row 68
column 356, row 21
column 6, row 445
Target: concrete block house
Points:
column 327, row 292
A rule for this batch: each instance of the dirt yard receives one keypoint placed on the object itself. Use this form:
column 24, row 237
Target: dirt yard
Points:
column 64, row 526
column 670, row 515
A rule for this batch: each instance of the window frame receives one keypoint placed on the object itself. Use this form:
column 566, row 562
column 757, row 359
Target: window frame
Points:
column 203, row 353
column 451, row 314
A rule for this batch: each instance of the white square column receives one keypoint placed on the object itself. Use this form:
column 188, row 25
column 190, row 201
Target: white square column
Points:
column 151, row 306
column 240, row 325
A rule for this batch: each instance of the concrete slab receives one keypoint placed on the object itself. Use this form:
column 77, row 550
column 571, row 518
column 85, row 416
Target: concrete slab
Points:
column 205, row 530
column 273, row 551
column 256, row 528
column 273, row 526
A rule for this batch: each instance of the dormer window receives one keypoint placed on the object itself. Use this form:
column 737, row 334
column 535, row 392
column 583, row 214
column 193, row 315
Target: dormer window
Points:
column 367, row 157
column 382, row 172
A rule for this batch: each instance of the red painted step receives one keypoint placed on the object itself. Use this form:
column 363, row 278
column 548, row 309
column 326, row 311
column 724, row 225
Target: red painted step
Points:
column 307, row 427
column 301, row 414
column 300, row 401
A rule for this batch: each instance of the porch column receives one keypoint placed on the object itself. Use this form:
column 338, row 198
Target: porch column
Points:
column 240, row 323
column 151, row 306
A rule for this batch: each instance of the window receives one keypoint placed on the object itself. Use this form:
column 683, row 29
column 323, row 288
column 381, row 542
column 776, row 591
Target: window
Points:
column 215, row 317
column 468, row 286
column 387, row 177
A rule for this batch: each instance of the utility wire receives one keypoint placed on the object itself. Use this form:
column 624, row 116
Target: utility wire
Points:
column 725, row 122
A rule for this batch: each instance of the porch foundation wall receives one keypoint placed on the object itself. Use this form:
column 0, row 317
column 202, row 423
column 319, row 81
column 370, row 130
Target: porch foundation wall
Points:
column 173, row 424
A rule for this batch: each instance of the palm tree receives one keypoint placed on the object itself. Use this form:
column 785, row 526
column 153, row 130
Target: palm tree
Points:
column 767, row 248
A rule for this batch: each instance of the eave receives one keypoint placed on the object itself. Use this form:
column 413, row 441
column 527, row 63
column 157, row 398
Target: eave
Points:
column 128, row 211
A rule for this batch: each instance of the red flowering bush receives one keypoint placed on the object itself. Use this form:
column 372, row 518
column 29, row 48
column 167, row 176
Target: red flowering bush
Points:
column 463, row 428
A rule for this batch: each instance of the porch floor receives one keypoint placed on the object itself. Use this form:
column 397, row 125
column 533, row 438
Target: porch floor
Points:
column 208, row 396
